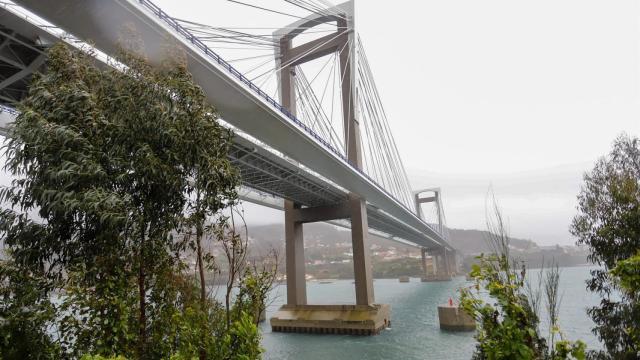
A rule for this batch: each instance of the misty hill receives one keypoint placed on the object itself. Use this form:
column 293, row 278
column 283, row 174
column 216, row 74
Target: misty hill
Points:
column 471, row 242
column 328, row 250
column 323, row 235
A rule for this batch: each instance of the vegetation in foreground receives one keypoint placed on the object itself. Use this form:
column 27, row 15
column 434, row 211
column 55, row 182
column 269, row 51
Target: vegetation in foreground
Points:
column 510, row 328
column 608, row 222
column 119, row 174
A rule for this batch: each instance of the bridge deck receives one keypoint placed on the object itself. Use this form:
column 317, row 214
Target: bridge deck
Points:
column 272, row 169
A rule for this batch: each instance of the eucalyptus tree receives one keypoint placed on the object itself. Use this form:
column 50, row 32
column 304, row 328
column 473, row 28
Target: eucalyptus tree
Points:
column 608, row 223
column 212, row 180
column 109, row 159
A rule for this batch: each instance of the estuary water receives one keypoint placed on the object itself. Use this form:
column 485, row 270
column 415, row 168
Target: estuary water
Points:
column 415, row 333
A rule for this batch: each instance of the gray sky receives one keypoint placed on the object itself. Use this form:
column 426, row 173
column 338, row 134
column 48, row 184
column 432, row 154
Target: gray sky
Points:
column 520, row 95
column 523, row 95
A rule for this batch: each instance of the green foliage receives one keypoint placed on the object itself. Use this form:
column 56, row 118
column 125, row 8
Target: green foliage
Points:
column 99, row 319
column 199, row 331
column 25, row 313
column 243, row 341
column 116, row 163
column 627, row 275
column 565, row 349
column 100, row 357
column 608, row 222
column 254, row 288
column 509, row 328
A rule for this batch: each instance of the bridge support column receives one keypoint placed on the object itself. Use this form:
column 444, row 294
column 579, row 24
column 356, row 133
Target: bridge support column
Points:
column 442, row 266
column 294, row 251
column 445, row 262
column 295, row 216
column 426, row 274
column 363, row 318
column 451, row 261
column 428, row 267
column 361, row 252
column 423, row 253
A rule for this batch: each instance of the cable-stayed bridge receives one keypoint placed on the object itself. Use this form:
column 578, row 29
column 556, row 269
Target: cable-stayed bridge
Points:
column 312, row 136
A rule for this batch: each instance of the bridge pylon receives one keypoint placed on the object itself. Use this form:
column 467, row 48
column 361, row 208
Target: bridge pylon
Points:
column 443, row 261
column 318, row 318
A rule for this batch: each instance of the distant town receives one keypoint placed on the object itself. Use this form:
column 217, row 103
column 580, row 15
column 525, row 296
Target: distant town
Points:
column 328, row 251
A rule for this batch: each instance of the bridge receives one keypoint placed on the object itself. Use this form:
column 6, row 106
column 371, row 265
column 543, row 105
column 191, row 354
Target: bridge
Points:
column 339, row 165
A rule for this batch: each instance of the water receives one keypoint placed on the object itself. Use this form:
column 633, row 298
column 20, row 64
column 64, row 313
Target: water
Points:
column 415, row 333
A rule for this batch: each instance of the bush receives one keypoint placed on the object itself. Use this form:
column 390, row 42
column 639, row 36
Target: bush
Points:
column 509, row 329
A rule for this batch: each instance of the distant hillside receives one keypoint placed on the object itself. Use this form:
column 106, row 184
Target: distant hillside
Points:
column 327, row 250
column 475, row 241
column 467, row 241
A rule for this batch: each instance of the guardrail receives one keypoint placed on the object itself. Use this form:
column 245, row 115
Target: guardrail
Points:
column 9, row 110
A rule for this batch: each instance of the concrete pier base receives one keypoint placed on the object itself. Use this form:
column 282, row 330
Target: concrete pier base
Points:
column 332, row 319
column 454, row 318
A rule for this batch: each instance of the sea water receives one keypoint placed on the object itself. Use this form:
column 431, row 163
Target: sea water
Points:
column 415, row 333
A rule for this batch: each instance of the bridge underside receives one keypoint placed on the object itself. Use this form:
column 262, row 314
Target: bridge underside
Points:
column 21, row 51
column 270, row 174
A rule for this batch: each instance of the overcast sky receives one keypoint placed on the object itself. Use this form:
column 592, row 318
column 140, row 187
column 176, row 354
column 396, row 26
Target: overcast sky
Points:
column 520, row 95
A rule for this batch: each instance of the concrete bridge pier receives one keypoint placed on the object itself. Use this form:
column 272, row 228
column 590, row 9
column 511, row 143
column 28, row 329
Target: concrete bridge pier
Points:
column 442, row 261
column 294, row 254
column 365, row 317
column 295, row 216
column 448, row 263
column 428, row 267
column 452, row 261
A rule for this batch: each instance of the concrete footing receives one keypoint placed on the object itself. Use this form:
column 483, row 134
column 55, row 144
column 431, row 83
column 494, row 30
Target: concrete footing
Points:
column 332, row 319
column 454, row 318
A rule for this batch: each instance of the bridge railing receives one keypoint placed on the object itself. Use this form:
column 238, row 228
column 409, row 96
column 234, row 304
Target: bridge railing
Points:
column 156, row 10
column 10, row 110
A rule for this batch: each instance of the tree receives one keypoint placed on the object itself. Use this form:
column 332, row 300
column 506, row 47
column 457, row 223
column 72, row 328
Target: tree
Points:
column 509, row 329
column 626, row 275
column 111, row 160
column 255, row 285
column 608, row 222
column 25, row 313
column 235, row 252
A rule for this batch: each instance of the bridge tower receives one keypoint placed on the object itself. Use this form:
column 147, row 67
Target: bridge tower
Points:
column 288, row 57
column 445, row 260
